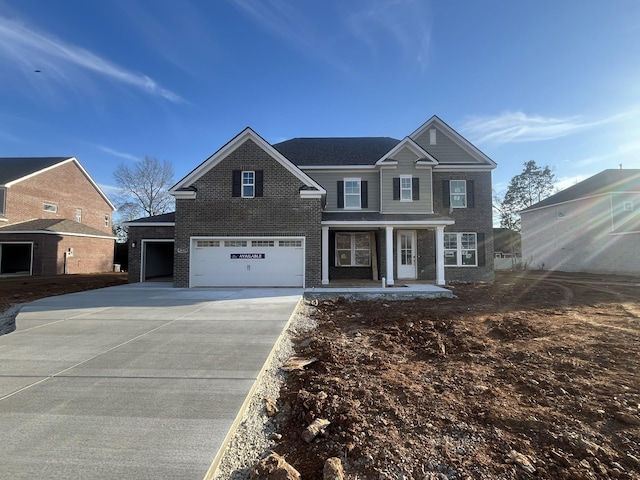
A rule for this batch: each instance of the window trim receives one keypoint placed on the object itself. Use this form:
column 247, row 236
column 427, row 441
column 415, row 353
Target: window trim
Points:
column 459, row 250
column 252, row 184
column 53, row 209
column 452, row 193
column 107, row 221
column 79, row 215
column 410, row 189
column 359, row 194
column 352, row 249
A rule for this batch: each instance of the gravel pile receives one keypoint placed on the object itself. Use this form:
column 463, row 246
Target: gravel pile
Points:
column 8, row 319
column 251, row 440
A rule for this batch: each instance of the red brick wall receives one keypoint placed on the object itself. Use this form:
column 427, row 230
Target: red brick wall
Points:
column 65, row 186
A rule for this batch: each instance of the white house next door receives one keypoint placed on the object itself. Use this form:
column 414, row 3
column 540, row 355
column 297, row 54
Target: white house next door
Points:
column 406, row 254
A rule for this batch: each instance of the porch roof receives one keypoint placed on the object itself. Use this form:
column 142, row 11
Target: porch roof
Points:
column 377, row 219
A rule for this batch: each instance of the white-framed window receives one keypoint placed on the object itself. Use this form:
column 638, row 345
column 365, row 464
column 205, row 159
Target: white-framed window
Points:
column 458, row 193
column 352, row 193
column 461, row 249
column 290, row 243
column 432, row 136
column 79, row 215
column 235, row 243
column 248, row 184
column 406, row 189
column 263, row 243
column 50, row 207
column 353, row 250
column 106, row 220
column 3, row 196
column 207, row 243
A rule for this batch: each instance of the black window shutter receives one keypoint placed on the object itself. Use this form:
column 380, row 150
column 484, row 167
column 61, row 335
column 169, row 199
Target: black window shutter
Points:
column 236, row 185
column 446, row 193
column 396, row 188
column 471, row 199
column 364, row 194
column 340, row 194
column 415, row 188
column 259, row 177
column 482, row 258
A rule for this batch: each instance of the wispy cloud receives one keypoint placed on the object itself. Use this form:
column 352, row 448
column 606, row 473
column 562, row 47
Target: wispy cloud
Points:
column 400, row 25
column 403, row 23
column 28, row 48
column 115, row 153
column 509, row 127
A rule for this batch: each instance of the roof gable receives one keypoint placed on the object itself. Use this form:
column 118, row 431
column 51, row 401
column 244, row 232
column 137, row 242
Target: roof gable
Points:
column 473, row 157
column 336, row 151
column 606, row 182
column 221, row 154
column 17, row 169
column 422, row 156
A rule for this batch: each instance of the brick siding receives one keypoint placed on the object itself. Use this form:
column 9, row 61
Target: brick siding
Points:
column 279, row 212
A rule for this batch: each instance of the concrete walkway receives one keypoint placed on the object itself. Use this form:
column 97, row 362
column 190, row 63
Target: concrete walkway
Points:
column 138, row 381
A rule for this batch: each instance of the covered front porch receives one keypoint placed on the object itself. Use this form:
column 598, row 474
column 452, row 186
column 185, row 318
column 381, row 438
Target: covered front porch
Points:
column 387, row 250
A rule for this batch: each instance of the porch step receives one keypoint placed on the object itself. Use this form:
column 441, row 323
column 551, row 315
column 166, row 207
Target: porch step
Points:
column 397, row 292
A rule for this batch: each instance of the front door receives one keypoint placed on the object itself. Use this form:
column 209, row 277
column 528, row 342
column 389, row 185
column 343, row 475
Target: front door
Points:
column 406, row 249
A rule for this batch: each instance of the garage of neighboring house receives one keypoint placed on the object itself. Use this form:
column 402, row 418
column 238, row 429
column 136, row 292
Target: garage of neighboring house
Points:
column 157, row 260
column 247, row 262
column 16, row 258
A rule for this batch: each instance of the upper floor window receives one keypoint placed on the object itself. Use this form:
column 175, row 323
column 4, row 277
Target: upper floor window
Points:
column 247, row 183
column 106, row 220
column 406, row 191
column 458, row 192
column 3, row 195
column 406, row 188
column 460, row 249
column 352, row 193
column 79, row 215
column 50, row 207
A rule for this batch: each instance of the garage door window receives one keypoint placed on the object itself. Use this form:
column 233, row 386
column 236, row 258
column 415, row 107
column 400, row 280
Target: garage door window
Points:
column 263, row 243
column 290, row 243
column 235, row 243
column 207, row 243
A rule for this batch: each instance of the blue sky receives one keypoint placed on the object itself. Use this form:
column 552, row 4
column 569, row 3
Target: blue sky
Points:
column 553, row 81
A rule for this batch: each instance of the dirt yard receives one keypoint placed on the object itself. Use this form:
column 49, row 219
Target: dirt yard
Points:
column 15, row 290
column 535, row 376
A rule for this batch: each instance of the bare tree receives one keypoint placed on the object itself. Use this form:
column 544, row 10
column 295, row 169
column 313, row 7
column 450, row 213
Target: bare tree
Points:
column 144, row 188
column 144, row 191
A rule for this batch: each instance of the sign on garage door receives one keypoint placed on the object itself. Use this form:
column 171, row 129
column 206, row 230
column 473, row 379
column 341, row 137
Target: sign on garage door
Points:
column 247, row 262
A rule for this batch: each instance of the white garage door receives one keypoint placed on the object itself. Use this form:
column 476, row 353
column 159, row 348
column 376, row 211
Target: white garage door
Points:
column 247, row 262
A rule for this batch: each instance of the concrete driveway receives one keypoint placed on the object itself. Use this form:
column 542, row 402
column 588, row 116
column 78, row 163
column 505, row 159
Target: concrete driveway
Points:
column 132, row 382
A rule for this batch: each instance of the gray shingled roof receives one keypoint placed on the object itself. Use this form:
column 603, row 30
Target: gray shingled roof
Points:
column 336, row 151
column 605, row 182
column 162, row 218
column 54, row 225
column 14, row 168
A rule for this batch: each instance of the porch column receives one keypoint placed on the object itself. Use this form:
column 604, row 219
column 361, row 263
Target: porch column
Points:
column 389, row 245
column 440, row 255
column 325, row 255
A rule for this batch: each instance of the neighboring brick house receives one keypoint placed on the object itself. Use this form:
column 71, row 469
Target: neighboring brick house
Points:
column 311, row 211
column 592, row 226
column 54, row 218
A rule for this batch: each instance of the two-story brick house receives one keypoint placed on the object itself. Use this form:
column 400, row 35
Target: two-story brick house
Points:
column 309, row 211
column 54, row 218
